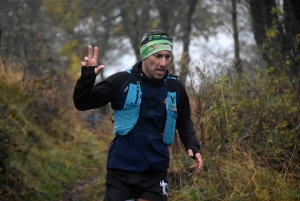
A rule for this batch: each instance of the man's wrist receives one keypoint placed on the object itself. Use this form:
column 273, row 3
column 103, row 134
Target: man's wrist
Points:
column 88, row 71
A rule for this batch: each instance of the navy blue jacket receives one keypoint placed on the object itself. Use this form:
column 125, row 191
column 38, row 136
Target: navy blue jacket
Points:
column 142, row 149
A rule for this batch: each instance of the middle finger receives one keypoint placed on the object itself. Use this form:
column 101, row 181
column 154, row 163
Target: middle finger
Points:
column 95, row 53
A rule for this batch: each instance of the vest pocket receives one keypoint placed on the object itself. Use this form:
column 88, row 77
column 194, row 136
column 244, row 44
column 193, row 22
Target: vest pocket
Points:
column 169, row 131
column 125, row 120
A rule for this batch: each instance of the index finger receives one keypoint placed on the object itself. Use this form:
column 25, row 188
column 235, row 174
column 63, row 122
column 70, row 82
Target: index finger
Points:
column 90, row 52
column 95, row 53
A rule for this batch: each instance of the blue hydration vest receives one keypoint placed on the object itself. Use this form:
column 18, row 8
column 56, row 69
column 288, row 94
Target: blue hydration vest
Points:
column 126, row 119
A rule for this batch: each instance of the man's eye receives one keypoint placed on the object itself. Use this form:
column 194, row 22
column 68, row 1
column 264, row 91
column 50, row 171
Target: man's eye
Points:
column 161, row 56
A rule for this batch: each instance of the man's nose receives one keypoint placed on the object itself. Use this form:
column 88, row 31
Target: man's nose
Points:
column 164, row 62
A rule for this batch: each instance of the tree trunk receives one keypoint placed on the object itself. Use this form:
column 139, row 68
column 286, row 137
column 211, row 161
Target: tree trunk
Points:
column 185, row 59
column 282, row 48
column 261, row 20
column 136, row 24
column 237, row 60
column 164, row 10
column 292, row 33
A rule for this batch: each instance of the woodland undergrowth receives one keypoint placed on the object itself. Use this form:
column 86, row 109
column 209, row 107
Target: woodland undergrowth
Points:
column 247, row 124
column 45, row 145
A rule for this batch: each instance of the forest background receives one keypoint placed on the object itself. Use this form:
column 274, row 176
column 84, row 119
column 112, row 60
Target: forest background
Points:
column 244, row 97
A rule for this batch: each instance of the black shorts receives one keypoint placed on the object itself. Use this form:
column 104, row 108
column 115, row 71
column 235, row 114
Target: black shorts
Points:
column 127, row 186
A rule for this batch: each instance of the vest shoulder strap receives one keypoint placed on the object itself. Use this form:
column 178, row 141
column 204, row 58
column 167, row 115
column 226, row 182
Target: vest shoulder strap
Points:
column 132, row 78
column 171, row 83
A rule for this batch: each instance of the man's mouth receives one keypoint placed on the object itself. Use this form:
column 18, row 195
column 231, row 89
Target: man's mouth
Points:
column 160, row 71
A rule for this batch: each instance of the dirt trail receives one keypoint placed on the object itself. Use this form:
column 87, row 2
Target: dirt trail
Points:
column 77, row 192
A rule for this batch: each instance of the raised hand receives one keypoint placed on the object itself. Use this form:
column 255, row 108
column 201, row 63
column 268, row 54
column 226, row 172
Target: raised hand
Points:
column 91, row 60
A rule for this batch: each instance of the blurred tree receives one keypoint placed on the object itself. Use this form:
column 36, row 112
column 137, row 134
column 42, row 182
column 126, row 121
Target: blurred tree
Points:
column 276, row 27
column 28, row 47
column 20, row 37
column 237, row 62
column 262, row 22
column 233, row 21
column 103, row 29
column 186, row 39
column 109, row 24
column 185, row 21
column 136, row 20
column 175, row 17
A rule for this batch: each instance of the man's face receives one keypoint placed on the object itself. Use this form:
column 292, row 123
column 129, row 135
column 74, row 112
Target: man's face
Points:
column 156, row 65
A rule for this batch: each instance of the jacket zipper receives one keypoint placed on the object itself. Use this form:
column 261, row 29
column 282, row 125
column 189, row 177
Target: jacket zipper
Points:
column 150, row 139
column 137, row 91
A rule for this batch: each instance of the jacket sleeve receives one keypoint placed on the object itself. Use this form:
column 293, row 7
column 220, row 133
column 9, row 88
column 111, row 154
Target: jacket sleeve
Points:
column 184, row 124
column 87, row 96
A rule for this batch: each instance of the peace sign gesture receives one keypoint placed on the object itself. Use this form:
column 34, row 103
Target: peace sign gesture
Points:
column 91, row 61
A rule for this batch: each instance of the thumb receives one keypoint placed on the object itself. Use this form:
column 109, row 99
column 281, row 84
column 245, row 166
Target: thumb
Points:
column 190, row 152
column 98, row 69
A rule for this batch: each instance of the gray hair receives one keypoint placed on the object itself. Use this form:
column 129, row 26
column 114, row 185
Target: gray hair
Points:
column 153, row 32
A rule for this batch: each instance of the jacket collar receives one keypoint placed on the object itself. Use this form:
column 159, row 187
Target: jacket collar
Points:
column 137, row 71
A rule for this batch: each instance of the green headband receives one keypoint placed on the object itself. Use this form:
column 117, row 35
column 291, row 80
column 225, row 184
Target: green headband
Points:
column 154, row 46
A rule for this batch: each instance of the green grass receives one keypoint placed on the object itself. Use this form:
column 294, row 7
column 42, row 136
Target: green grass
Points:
column 45, row 148
column 43, row 159
column 237, row 177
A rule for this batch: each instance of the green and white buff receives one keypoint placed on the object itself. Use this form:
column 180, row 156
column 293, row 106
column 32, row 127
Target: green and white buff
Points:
column 155, row 46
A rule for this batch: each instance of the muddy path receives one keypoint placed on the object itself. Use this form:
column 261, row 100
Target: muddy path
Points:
column 79, row 190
